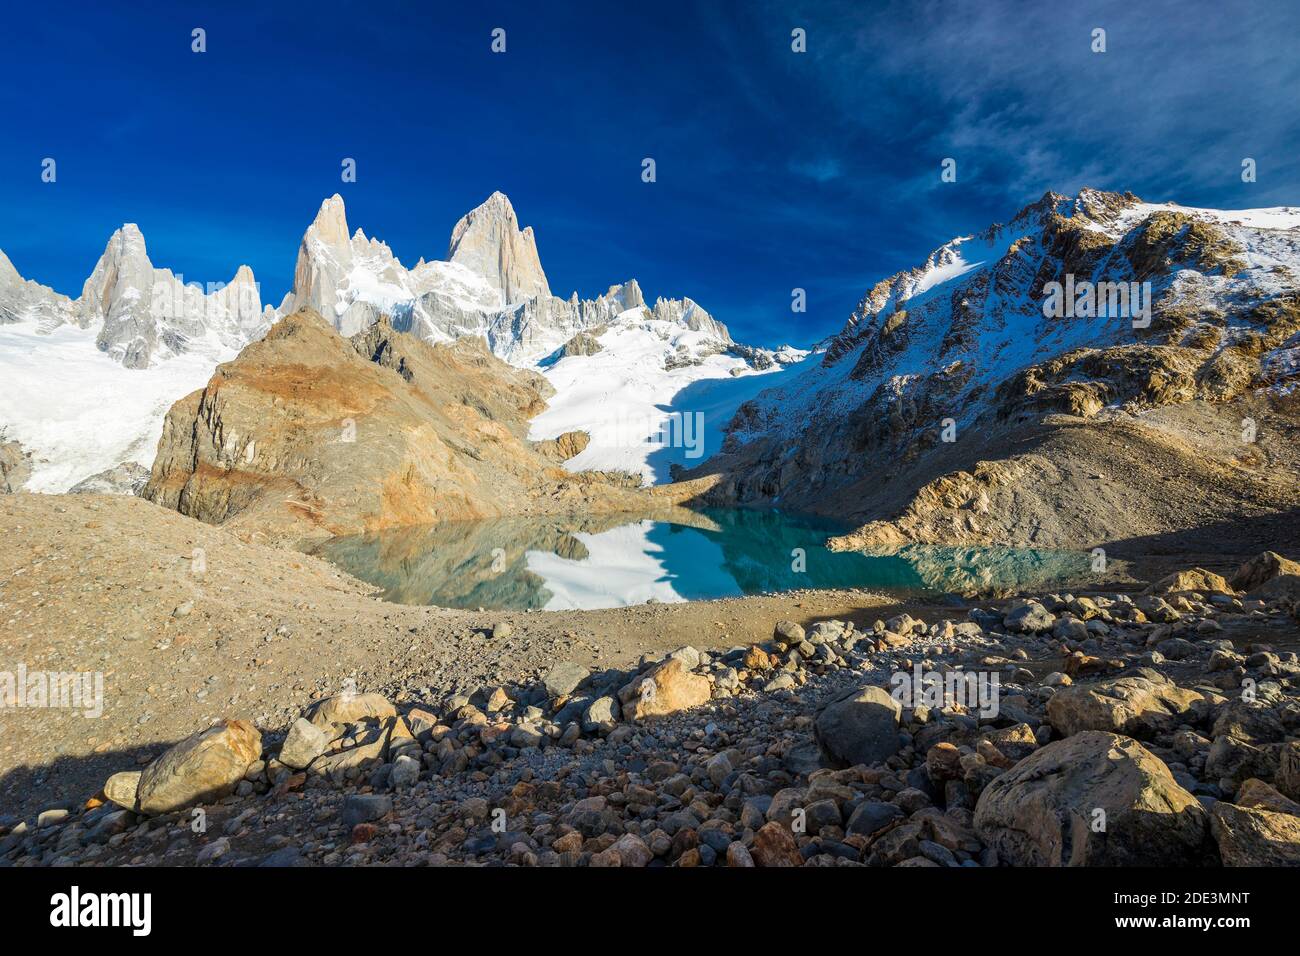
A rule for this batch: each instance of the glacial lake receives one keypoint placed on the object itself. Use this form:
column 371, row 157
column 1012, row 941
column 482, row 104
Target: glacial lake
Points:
column 617, row 560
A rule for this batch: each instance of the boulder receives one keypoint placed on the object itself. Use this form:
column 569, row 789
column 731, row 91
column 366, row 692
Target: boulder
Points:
column 563, row 679
column 666, row 688
column 601, row 716
column 351, row 708
column 1261, row 569
column 1197, row 579
column 369, row 749
column 365, row 808
column 303, row 744
column 787, row 634
column 1288, row 769
column 1137, row 706
column 632, row 851
column 1284, row 588
column 121, row 788
column 1029, row 617
column 1231, row 761
column 1255, row 837
column 859, row 726
column 1095, row 799
column 199, row 769
column 1255, row 794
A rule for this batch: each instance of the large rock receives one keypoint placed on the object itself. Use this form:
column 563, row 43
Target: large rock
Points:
column 563, row 679
column 667, row 687
column 1288, row 769
column 1255, row 837
column 1284, row 588
column 1261, row 569
column 859, row 727
column 774, row 846
column 200, row 769
column 1029, row 617
column 122, row 787
column 1045, row 810
column 303, row 744
column 1194, row 580
column 1257, row 795
column 350, row 708
column 1137, row 706
column 369, row 749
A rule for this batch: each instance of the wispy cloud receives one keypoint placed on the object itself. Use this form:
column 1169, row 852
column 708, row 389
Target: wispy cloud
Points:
column 823, row 170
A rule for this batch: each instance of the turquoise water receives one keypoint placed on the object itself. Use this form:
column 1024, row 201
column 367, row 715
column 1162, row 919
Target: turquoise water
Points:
column 612, row 561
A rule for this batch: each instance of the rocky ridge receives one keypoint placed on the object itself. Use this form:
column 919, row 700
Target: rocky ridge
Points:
column 143, row 315
column 952, row 373
column 308, row 435
column 490, row 286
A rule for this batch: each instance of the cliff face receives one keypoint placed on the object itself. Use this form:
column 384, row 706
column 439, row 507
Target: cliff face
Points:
column 308, row 434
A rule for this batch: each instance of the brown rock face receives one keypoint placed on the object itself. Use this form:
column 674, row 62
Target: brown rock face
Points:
column 563, row 447
column 309, row 435
column 200, row 769
column 1095, row 799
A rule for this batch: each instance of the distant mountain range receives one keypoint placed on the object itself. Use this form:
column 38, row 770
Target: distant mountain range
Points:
column 77, row 416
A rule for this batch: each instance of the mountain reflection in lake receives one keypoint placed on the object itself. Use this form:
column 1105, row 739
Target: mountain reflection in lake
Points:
column 615, row 560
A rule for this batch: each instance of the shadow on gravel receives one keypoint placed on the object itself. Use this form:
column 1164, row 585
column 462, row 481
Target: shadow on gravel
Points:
column 1222, row 546
column 66, row 782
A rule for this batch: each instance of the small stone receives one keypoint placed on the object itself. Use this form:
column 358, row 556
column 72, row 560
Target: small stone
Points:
column 213, row 851
column 774, row 846
column 365, row 808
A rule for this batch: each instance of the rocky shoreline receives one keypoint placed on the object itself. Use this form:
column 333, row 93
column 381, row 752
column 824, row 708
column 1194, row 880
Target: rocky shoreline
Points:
column 1111, row 729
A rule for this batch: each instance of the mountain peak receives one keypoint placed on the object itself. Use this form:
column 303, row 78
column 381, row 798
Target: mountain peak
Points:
column 7, row 271
column 487, row 240
column 331, row 222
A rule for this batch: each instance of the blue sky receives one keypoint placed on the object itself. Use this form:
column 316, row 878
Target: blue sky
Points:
column 775, row 169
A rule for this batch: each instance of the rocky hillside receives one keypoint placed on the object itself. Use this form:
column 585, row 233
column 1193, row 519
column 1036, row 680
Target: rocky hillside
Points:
column 958, row 405
column 309, row 434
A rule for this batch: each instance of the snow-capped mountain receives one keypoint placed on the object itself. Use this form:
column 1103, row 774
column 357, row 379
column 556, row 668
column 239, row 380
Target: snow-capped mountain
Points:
column 622, row 369
column 1166, row 304
column 141, row 316
column 653, row 393
column 491, row 285
column 88, row 381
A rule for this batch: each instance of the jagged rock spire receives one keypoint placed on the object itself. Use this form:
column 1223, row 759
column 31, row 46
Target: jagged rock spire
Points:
column 488, row 241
